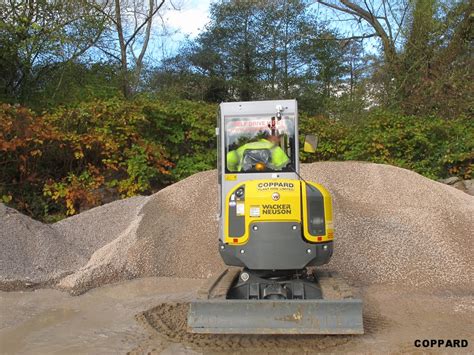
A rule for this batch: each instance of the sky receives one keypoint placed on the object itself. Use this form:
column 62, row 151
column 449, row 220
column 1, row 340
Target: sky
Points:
column 191, row 16
column 187, row 20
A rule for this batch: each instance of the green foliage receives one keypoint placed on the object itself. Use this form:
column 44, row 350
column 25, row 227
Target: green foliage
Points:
column 58, row 162
column 332, row 136
column 72, row 82
column 187, row 129
column 435, row 69
column 429, row 145
column 38, row 39
column 74, row 158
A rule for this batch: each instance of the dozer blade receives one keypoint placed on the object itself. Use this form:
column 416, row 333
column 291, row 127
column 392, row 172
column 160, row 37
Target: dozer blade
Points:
column 276, row 316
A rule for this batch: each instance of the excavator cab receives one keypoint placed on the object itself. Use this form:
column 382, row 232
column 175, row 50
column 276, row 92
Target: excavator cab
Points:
column 275, row 229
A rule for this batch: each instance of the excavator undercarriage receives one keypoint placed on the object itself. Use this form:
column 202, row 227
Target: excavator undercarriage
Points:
column 305, row 303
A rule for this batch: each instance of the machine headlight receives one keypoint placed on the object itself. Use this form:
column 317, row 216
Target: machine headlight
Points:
column 317, row 221
column 240, row 192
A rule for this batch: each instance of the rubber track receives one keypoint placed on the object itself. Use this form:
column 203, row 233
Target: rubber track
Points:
column 333, row 286
column 217, row 287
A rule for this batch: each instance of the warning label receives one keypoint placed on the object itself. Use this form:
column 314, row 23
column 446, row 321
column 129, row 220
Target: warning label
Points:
column 240, row 209
column 276, row 209
column 254, row 211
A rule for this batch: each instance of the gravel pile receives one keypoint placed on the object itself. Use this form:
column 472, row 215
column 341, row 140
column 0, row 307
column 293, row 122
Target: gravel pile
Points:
column 174, row 234
column 32, row 254
column 392, row 226
column 97, row 227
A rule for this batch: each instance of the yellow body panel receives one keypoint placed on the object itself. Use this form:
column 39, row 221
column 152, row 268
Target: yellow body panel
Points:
column 261, row 204
column 277, row 200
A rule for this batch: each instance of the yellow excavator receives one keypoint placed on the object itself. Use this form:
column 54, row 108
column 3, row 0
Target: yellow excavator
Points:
column 275, row 229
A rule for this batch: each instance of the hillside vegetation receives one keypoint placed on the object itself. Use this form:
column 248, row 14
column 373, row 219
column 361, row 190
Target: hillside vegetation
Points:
column 59, row 163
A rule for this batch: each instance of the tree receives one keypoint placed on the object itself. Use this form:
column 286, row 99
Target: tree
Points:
column 193, row 74
column 382, row 16
column 415, row 37
column 39, row 36
column 256, row 50
column 289, row 27
column 128, row 37
column 437, row 62
column 233, row 34
column 354, row 58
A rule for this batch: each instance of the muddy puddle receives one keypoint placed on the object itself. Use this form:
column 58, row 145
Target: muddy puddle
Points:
column 100, row 321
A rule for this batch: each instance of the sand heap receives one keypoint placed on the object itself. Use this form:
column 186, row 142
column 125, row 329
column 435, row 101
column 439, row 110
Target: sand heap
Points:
column 392, row 226
column 33, row 254
column 395, row 226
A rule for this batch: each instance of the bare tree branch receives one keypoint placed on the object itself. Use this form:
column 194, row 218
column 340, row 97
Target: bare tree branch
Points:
column 387, row 22
column 147, row 19
column 399, row 23
column 108, row 53
column 367, row 15
column 102, row 11
column 335, row 7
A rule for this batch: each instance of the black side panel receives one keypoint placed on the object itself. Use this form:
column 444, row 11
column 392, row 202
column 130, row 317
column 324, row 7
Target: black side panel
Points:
column 315, row 218
column 236, row 223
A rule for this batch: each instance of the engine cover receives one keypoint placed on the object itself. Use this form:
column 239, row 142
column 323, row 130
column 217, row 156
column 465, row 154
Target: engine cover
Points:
column 277, row 224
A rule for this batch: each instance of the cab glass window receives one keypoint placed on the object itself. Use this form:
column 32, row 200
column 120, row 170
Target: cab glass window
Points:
column 259, row 144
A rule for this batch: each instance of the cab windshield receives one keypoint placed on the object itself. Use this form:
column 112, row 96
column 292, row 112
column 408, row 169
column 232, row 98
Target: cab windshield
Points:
column 260, row 144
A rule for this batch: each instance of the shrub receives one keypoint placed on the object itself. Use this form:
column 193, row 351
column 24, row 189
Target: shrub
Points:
column 63, row 159
column 332, row 137
column 186, row 129
column 431, row 146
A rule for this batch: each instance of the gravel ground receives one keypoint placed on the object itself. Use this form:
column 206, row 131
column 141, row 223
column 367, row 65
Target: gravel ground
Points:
column 103, row 321
column 393, row 226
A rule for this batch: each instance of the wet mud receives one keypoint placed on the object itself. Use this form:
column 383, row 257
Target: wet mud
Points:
column 148, row 316
column 168, row 320
column 393, row 319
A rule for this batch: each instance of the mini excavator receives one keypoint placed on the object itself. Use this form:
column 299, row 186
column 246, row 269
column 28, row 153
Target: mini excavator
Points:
column 275, row 229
